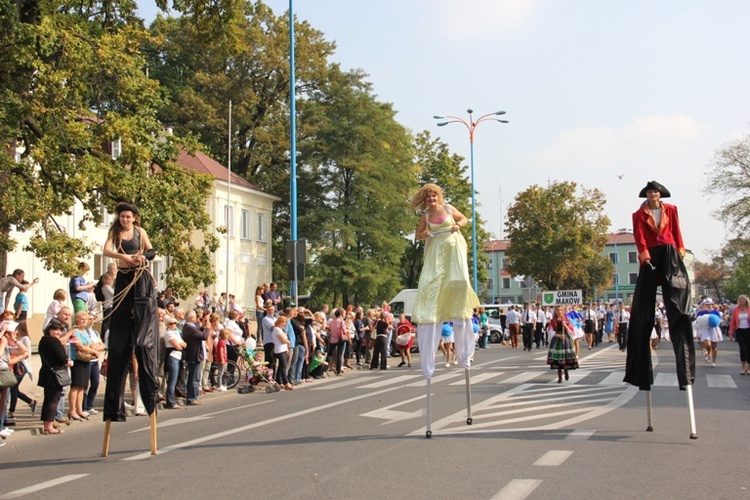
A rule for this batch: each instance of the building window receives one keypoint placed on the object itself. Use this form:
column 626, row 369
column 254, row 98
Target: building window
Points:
column 229, row 220
column 261, row 227
column 489, row 265
column 632, row 258
column 632, row 278
column 116, row 149
column 503, row 264
column 245, row 224
column 489, row 284
column 613, row 258
column 617, row 279
column 506, row 283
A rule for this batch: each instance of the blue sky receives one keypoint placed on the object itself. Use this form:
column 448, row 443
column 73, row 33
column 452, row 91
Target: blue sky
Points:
column 593, row 89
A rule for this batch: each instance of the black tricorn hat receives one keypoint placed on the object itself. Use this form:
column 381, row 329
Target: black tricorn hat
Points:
column 658, row 187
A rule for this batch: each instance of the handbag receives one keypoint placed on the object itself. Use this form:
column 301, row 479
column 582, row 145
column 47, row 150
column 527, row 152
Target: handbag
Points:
column 84, row 357
column 19, row 369
column 62, row 375
column 403, row 339
column 7, row 378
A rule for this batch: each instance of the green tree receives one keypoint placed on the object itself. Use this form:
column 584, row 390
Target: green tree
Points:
column 356, row 176
column 434, row 163
column 238, row 50
column 557, row 235
column 72, row 82
column 730, row 179
column 711, row 275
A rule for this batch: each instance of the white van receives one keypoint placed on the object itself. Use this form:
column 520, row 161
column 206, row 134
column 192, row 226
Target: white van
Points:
column 404, row 302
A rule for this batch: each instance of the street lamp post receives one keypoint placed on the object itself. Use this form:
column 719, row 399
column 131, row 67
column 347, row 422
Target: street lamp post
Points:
column 471, row 125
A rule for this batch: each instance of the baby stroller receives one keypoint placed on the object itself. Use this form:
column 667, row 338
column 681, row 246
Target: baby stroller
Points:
column 258, row 373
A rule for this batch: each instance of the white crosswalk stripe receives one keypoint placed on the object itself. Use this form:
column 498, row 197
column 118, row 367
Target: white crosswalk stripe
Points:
column 721, row 381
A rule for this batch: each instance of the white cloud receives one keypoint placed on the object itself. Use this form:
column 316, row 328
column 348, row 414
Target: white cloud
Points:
column 647, row 141
column 478, row 18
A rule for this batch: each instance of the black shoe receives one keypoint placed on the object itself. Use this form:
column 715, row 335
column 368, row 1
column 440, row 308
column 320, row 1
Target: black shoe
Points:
column 401, row 364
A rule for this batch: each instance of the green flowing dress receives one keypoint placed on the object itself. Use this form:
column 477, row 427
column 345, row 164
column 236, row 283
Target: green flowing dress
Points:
column 445, row 292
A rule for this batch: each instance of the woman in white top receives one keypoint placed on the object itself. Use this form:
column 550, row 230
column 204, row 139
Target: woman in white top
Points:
column 739, row 326
column 280, row 346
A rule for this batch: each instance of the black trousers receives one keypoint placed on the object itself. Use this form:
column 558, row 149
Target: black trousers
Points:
column 528, row 331
column 669, row 272
column 380, row 353
column 538, row 334
column 622, row 335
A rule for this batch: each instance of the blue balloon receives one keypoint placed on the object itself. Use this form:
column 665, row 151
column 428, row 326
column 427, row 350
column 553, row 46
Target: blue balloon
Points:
column 713, row 321
column 447, row 330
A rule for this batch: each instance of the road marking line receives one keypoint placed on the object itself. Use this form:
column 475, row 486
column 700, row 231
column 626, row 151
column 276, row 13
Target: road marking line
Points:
column 614, row 378
column 517, row 489
column 522, row 378
column 43, row 486
column 245, row 428
column 721, row 381
column 330, row 387
column 553, row 458
column 555, row 398
column 388, row 381
column 666, row 380
column 197, row 418
column 589, row 414
column 581, row 434
column 439, row 378
column 481, row 377
column 575, row 376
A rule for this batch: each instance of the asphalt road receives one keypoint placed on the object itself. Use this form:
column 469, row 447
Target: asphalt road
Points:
column 362, row 435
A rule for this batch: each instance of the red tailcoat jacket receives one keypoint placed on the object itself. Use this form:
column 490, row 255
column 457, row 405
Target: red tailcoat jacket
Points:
column 647, row 235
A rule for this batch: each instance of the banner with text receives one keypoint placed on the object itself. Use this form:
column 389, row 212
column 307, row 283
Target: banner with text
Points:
column 562, row 298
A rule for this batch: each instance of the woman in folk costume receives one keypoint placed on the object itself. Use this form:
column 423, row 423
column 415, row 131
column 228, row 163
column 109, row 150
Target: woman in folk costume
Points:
column 656, row 229
column 561, row 356
column 445, row 293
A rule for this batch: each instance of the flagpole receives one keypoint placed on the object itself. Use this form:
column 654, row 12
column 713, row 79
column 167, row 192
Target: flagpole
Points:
column 293, row 153
column 229, row 187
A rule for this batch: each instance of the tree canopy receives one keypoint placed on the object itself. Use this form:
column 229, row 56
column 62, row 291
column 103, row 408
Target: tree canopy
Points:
column 355, row 179
column 729, row 178
column 73, row 82
column 557, row 235
column 434, row 163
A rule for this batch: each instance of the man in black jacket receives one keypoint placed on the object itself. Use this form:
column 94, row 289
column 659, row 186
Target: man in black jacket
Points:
column 193, row 355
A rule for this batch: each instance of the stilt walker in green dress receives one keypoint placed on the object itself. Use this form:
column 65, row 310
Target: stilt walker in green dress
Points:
column 445, row 293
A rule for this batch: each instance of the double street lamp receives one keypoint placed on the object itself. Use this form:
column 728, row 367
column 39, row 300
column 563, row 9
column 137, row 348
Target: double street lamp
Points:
column 471, row 125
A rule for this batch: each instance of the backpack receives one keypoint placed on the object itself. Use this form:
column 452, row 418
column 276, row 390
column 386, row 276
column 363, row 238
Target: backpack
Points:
column 98, row 292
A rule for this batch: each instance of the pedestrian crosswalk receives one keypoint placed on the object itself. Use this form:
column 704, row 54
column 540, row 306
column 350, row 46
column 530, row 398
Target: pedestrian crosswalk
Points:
column 591, row 375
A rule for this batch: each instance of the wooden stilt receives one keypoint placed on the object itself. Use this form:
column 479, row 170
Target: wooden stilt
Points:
column 105, row 450
column 153, row 433
column 650, row 427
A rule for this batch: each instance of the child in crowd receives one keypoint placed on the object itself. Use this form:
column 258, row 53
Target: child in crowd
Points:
column 21, row 305
column 318, row 365
column 220, row 357
column 58, row 302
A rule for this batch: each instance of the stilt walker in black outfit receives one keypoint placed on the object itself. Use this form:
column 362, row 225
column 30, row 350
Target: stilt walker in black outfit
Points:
column 134, row 323
column 656, row 228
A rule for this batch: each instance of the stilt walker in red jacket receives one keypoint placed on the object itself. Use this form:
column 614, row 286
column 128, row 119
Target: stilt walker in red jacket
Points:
column 656, row 228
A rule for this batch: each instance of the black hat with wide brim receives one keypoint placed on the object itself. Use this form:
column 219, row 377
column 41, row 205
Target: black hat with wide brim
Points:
column 656, row 186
